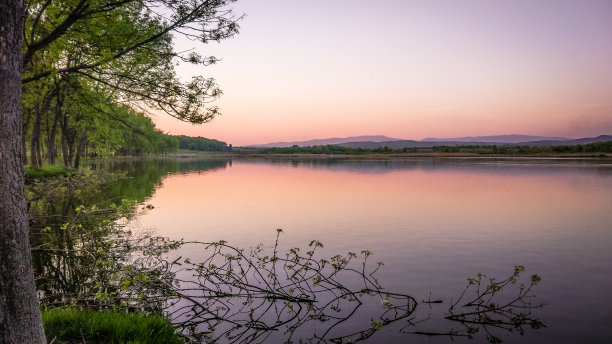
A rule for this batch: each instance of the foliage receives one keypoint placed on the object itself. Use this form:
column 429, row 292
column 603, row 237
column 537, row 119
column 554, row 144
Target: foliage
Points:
column 143, row 175
column 597, row 147
column 68, row 325
column 93, row 68
column 150, row 141
column 231, row 294
column 594, row 148
column 245, row 296
column 489, row 308
column 73, row 246
column 202, row 144
column 85, row 258
column 47, row 171
column 496, row 306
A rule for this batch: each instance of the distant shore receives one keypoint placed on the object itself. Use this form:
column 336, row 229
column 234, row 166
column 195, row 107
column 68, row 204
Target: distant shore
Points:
column 197, row 154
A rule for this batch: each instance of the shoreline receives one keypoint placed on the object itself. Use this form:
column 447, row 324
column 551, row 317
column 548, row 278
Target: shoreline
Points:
column 585, row 156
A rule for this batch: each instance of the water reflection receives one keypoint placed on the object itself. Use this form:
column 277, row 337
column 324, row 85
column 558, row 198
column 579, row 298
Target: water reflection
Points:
column 73, row 221
column 432, row 221
column 472, row 164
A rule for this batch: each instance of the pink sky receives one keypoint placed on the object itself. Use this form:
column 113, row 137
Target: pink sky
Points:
column 409, row 69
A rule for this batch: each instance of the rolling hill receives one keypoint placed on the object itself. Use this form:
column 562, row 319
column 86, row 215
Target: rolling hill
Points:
column 328, row 141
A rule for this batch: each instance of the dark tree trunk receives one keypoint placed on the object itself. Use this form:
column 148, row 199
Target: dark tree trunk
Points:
column 35, row 143
column 52, row 153
column 35, row 138
column 81, row 148
column 20, row 320
column 26, row 125
column 53, row 133
column 66, row 142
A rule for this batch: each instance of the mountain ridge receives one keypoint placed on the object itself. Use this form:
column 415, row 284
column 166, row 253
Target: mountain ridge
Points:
column 327, row 141
column 510, row 138
column 375, row 141
column 427, row 144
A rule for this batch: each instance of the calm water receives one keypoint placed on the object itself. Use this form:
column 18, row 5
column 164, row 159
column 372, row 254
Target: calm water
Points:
column 433, row 222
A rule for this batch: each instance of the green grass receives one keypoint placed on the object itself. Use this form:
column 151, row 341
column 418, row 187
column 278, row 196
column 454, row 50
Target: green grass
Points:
column 45, row 171
column 67, row 325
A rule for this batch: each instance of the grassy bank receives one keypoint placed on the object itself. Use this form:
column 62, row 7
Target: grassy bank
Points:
column 45, row 171
column 66, row 325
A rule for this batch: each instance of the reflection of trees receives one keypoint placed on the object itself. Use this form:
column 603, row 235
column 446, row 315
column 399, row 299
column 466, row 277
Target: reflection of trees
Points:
column 63, row 239
column 232, row 295
column 73, row 234
column 472, row 165
column 72, row 240
column 144, row 175
column 243, row 296
column 83, row 257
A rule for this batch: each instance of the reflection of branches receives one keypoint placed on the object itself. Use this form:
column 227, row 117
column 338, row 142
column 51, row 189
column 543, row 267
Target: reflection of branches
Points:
column 84, row 258
column 239, row 296
column 232, row 295
column 246, row 296
column 493, row 307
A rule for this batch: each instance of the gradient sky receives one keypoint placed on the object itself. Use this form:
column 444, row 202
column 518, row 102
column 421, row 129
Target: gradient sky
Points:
column 409, row 69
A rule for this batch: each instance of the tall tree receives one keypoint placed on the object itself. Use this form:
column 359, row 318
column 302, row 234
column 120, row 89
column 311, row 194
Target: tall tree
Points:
column 20, row 320
column 61, row 39
column 120, row 49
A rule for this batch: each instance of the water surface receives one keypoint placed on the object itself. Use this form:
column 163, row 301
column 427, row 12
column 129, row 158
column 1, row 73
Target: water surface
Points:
column 433, row 222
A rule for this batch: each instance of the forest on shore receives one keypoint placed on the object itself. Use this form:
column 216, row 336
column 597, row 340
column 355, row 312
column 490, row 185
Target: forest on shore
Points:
column 597, row 148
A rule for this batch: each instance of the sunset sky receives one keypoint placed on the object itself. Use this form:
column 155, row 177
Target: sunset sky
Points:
column 409, row 69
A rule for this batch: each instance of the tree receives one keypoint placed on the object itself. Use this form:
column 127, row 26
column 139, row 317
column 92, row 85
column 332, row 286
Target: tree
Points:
column 100, row 53
column 127, row 46
column 61, row 40
column 20, row 320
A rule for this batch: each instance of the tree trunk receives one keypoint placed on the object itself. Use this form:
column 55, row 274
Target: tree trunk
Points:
column 26, row 125
column 35, row 138
column 65, row 143
column 81, row 148
column 35, row 144
column 52, row 135
column 20, row 320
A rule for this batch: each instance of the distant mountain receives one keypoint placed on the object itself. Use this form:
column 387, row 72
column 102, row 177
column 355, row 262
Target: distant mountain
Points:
column 581, row 141
column 391, row 144
column 329, row 141
column 497, row 139
column 456, row 142
column 375, row 141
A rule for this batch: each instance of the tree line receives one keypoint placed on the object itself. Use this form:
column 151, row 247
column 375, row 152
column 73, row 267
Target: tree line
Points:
column 597, row 147
column 70, row 131
column 202, row 144
column 94, row 70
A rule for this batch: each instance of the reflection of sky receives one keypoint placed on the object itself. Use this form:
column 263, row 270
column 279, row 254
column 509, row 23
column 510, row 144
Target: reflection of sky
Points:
column 468, row 164
column 433, row 223
column 410, row 69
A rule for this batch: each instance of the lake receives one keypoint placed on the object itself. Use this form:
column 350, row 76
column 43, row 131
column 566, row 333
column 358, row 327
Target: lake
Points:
column 433, row 222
